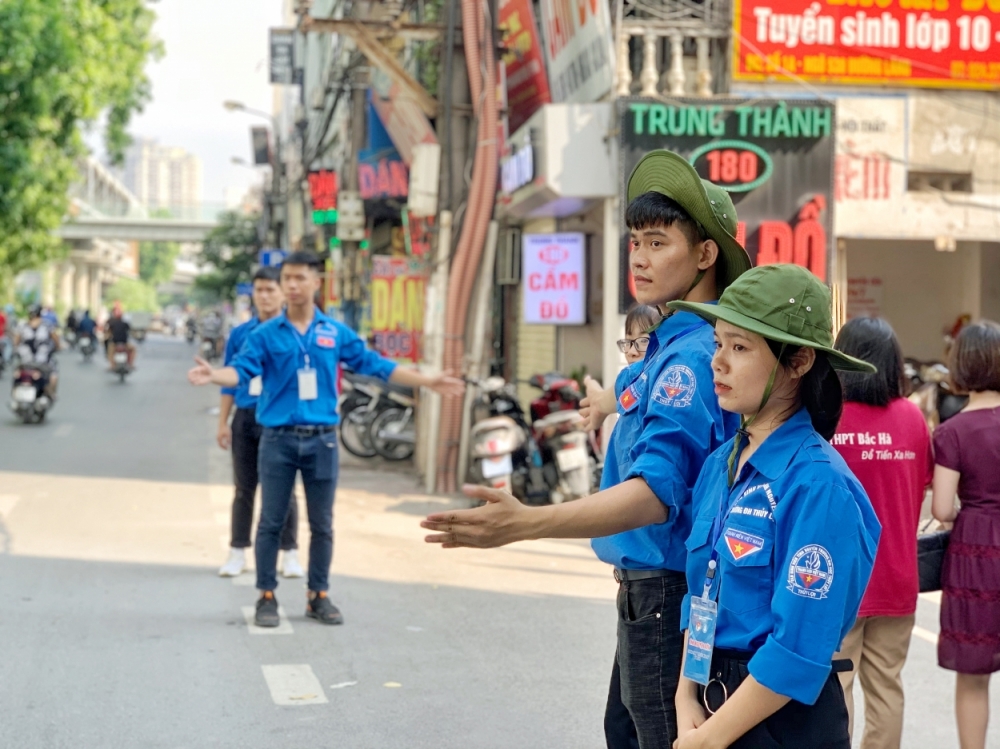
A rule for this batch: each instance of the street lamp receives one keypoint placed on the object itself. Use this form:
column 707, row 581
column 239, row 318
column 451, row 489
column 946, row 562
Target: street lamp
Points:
column 238, row 106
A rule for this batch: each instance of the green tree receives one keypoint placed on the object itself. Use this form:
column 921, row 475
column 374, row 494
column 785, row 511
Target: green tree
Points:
column 231, row 250
column 156, row 261
column 134, row 295
column 62, row 66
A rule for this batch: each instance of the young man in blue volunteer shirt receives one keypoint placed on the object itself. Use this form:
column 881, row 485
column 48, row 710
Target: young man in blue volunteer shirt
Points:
column 683, row 246
column 296, row 356
column 244, row 437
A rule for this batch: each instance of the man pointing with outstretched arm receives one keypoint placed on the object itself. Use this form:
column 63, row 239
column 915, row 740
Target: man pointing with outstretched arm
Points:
column 296, row 356
column 683, row 246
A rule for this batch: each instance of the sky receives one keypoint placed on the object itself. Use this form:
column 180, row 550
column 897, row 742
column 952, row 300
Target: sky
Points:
column 215, row 50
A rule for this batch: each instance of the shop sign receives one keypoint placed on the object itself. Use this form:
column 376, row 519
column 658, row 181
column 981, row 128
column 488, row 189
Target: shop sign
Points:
column 527, row 84
column 398, row 295
column 555, row 289
column 577, row 36
column 384, row 178
column 282, row 56
column 260, row 143
column 518, row 169
column 864, row 297
column 775, row 157
column 939, row 43
column 323, row 189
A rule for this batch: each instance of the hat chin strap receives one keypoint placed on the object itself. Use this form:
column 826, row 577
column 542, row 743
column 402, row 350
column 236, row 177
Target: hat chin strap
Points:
column 745, row 423
column 697, row 280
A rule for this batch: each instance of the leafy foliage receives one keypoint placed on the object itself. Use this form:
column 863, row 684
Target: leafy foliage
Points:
column 231, row 249
column 63, row 64
column 156, row 261
column 134, row 295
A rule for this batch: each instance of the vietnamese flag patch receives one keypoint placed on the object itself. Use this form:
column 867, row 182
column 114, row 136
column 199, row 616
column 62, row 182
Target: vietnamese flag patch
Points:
column 324, row 341
column 628, row 399
column 743, row 544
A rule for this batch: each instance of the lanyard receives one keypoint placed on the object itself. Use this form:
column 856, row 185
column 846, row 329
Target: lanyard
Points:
column 304, row 342
column 722, row 513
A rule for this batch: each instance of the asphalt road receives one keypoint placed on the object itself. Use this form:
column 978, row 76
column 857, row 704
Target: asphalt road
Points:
column 116, row 632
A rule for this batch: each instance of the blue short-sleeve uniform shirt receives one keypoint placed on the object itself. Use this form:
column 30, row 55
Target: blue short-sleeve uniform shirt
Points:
column 795, row 547
column 670, row 422
column 237, row 337
column 276, row 351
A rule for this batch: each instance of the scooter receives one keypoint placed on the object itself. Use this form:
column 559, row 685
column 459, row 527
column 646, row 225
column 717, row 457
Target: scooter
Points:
column 210, row 349
column 28, row 399
column 120, row 365
column 363, row 401
column 88, row 345
column 393, row 432
column 70, row 336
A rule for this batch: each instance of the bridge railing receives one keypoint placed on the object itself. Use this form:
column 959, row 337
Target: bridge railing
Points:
column 81, row 208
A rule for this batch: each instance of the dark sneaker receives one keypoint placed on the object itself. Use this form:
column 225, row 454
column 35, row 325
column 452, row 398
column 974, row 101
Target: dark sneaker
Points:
column 267, row 612
column 323, row 610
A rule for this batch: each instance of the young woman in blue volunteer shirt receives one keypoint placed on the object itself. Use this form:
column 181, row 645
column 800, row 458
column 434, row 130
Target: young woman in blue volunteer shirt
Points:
column 784, row 537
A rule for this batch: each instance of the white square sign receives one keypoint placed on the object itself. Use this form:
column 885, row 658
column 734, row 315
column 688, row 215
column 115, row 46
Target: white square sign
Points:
column 555, row 284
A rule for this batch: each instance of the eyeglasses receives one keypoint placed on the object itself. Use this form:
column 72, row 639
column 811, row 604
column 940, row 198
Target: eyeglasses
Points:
column 641, row 344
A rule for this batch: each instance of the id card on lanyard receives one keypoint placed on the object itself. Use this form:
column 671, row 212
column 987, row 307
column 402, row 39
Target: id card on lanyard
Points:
column 704, row 613
column 308, row 387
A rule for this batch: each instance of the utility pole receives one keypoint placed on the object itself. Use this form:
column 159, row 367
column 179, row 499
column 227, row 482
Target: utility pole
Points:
column 359, row 131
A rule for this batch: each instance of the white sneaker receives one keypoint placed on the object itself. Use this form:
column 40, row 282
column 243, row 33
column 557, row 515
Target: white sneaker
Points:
column 236, row 563
column 290, row 566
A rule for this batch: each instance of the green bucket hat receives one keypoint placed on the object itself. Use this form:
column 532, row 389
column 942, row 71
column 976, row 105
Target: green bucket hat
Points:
column 669, row 174
column 783, row 303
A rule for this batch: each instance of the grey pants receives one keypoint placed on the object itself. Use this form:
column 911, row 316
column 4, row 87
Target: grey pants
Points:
column 650, row 645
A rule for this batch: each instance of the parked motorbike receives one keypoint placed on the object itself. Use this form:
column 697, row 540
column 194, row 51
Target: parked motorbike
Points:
column 364, row 400
column 120, row 363
column 932, row 392
column 210, row 349
column 393, row 431
column 28, row 399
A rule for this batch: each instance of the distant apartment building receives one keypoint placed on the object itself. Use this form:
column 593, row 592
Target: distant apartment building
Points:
column 164, row 178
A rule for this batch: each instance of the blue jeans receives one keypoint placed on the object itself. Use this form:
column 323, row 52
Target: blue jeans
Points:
column 282, row 455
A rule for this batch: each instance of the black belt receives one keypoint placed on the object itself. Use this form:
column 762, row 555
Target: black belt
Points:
column 306, row 430
column 730, row 669
column 626, row 576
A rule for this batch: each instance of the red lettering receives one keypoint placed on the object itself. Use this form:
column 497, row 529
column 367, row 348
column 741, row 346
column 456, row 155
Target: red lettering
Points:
column 810, row 238
column 562, row 309
column 400, row 181
column 546, row 310
column 368, row 184
column 569, row 281
column 535, row 281
column 382, row 173
column 777, row 245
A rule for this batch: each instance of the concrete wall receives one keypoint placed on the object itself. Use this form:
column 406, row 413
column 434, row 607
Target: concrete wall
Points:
column 925, row 291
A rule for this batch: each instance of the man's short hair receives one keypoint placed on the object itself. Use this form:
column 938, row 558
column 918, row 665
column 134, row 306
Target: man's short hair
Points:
column 975, row 358
column 267, row 274
column 302, row 257
column 656, row 209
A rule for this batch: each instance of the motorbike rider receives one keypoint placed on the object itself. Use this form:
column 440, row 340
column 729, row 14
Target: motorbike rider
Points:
column 211, row 331
column 86, row 328
column 118, row 331
column 36, row 344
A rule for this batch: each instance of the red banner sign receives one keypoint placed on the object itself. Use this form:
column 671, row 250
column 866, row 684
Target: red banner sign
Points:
column 398, row 297
column 939, row 43
column 527, row 83
column 323, row 189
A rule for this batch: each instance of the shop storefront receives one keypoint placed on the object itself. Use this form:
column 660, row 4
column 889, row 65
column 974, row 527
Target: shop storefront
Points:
column 556, row 178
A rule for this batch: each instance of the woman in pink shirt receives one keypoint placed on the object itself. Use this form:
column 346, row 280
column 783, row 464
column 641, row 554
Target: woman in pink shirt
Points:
column 884, row 440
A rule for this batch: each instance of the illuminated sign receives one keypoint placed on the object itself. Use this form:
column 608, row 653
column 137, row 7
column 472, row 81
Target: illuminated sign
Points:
column 554, row 268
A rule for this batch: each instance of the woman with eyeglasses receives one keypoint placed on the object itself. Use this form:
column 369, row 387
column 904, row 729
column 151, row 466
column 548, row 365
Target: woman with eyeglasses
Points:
column 641, row 319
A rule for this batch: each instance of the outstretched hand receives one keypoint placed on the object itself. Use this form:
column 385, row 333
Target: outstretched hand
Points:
column 590, row 407
column 447, row 384
column 201, row 374
column 502, row 520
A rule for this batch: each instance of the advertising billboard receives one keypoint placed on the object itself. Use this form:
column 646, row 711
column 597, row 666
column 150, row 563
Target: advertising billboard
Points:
column 773, row 156
column 938, row 43
column 554, row 271
column 527, row 83
column 578, row 49
column 398, row 287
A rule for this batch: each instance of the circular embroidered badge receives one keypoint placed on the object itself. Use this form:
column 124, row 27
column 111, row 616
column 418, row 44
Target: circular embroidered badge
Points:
column 810, row 574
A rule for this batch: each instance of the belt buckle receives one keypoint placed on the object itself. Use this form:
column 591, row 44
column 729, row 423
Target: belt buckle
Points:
column 704, row 694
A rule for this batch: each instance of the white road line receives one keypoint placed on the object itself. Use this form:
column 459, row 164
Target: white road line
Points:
column 246, row 580
column 284, row 628
column 223, row 519
column 63, row 430
column 220, row 496
column 294, row 684
column 7, row 502
column 925, row 634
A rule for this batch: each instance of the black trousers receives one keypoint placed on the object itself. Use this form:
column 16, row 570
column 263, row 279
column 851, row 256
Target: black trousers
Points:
column 647, row 664
column 246, row 445
column 823, row 725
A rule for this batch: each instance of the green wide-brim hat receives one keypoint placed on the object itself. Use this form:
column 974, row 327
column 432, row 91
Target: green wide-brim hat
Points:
column 783, row 303
column 669, row 174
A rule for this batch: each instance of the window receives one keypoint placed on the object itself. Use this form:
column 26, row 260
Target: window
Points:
column 939, row 181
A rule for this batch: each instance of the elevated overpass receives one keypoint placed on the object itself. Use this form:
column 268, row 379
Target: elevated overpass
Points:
column 135, row 228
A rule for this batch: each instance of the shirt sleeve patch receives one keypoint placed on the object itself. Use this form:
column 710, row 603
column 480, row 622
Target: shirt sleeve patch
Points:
column 810, row 574
column 676, row 387
column 628, row 399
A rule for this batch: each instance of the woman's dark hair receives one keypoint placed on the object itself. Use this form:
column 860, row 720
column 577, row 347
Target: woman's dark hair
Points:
column 873, row 340
column 975, row 358
column 642, row 316
column 656, row 209
column 820, row 391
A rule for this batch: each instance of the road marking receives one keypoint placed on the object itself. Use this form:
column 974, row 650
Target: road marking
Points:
column 220, row 496
column 343, row 684
column 925, row 634
column 223, row 519
column 932, row 597
column 63, row 430
column 294, row 685
column 246, row 580
column 284, row 628
column 7, row 502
